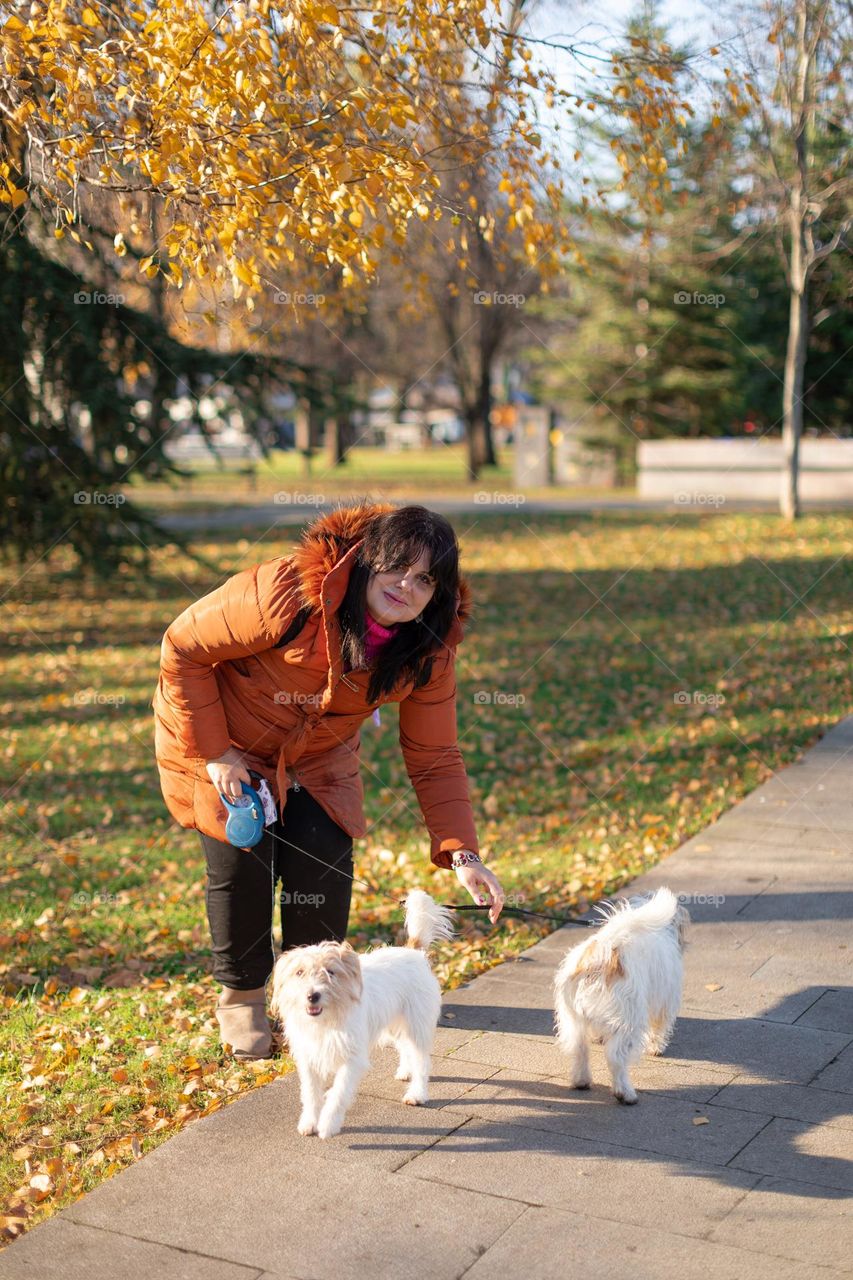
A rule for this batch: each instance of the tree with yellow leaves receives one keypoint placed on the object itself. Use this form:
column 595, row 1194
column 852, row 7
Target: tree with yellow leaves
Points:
column 272, row 142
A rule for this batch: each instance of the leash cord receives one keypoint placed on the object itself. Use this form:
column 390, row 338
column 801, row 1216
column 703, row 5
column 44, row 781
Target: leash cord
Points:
column 522, row 911
column 452, row 906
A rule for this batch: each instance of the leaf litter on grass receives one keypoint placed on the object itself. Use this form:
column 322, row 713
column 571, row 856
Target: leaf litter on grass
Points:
column 624, row 680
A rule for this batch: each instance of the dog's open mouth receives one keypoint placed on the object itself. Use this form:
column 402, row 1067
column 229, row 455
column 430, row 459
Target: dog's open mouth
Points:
column 314, row 1009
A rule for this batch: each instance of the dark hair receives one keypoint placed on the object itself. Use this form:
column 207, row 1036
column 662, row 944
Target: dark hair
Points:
column 396, row 540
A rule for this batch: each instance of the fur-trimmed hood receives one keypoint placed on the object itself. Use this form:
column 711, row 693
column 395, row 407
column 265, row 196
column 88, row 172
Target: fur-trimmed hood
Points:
column 328, row 539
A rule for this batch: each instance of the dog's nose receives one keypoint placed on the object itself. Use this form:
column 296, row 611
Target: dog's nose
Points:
column 314, row 997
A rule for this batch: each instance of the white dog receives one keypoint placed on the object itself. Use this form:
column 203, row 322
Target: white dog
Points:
column 622, row 987
column 336, row 1005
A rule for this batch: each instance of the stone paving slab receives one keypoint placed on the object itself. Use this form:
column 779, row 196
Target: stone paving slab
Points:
column 814, row 1154
column 783, row 951
column 64, row 1250
column 833, row 1011
column 735, row 840
column 742, row 986
column 796, row 1053
column 760, row 828
column 451, row 1078
column 830, row 818
column 311, row 1217
column 791, row 1101
column 815, row 970
column 505, row 993
column 751, row 1044
column 681, row 1079
column 462, row 1009
column 838, row 1076
column 534, row 1055
column 595, row 1247
column 788, row 1219
column 664, row 1124
column 804, row 907
column 540, row 1166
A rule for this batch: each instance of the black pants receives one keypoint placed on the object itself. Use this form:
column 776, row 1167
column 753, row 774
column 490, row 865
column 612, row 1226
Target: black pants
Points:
column 312, row 856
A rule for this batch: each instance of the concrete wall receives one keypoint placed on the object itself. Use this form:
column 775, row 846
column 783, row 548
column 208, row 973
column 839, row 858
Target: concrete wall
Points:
column 693, row 471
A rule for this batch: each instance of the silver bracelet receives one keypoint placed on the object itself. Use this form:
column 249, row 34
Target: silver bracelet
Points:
column 464, row 858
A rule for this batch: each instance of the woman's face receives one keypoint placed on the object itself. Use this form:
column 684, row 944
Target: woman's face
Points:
column 398, row 595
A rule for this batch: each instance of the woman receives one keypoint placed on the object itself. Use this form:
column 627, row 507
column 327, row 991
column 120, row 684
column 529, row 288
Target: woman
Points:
column 272, row 675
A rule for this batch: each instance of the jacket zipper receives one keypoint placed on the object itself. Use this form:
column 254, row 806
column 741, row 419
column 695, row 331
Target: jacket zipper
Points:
column 296, row 785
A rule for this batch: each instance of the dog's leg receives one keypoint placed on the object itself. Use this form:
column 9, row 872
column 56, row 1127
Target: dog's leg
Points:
column 658, row 1034
column 572, row 1038
column 395, row 1036
column 404, row 1068
column 311, row 1091
column 663, row 1025
column 415, row 1054
column 340, row 1096
column 621, row 1050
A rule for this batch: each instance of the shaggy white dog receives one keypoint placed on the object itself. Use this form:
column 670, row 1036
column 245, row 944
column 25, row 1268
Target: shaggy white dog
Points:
column 336, row 1005
column 622, row 987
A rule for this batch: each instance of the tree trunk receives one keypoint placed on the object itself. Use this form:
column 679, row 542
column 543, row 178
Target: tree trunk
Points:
column 302, row 433
column 480, row 449
column 478, row 417
column 798, row 331
column 792, row 401
column 338, row 436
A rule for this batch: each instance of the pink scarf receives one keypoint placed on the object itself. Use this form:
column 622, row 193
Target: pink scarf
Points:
column 376, row 635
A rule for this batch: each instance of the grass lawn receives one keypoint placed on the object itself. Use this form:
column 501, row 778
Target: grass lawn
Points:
column 627, row 678
column 370, row 472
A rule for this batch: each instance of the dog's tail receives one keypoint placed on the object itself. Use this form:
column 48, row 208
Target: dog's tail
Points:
column 626, row 919
column 426, row 921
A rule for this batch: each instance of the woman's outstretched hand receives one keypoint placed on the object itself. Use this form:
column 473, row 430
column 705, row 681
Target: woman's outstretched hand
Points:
column 483, row 886
column 228, row 773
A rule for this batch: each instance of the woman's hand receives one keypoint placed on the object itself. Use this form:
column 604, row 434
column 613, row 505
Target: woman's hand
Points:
column 228, row 773
column 483, row 886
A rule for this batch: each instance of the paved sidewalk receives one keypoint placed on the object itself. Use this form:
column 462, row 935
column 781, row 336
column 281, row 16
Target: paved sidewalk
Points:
column 507, row 1172
column 268, row 514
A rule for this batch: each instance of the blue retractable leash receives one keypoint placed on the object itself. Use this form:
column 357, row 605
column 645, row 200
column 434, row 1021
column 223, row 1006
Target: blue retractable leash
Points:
column 245, row 823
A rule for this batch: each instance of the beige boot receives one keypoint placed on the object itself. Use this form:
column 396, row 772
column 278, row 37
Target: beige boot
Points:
column 243, row 1024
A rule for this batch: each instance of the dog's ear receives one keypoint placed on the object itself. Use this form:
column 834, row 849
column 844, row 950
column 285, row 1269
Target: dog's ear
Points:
column 352, row 982
column 285, row 966
column 682, row 920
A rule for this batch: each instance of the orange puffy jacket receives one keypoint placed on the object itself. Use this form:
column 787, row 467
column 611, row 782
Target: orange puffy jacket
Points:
column 225, row 680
